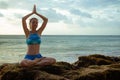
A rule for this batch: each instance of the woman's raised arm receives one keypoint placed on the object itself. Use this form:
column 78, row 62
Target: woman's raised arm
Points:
column 24, row 24
column 45, row 20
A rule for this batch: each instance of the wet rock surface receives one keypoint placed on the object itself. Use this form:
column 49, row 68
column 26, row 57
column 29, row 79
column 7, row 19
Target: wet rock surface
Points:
column 92, row 67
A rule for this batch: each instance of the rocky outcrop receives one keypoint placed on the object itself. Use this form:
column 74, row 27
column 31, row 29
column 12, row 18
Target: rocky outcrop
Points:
column 92, row 67
column 95, row 59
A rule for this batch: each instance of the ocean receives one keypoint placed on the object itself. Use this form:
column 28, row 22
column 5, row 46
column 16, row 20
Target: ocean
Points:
column 61, row 47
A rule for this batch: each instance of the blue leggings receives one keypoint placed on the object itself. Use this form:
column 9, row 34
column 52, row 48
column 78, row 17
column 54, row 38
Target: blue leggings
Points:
column 32, row 57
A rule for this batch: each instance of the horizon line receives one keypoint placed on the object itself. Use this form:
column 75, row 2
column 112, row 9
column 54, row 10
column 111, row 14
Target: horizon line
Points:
column 68, row 34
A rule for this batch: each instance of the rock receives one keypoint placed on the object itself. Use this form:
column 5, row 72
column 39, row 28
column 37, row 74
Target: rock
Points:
column 96, row 59
column 112, row 74
column 92, row 67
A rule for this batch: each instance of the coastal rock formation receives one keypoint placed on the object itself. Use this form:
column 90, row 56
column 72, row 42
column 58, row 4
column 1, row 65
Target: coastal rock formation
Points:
column 92, row 67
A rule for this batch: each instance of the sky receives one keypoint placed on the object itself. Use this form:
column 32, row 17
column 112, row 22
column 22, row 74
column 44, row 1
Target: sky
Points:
column 65, row 17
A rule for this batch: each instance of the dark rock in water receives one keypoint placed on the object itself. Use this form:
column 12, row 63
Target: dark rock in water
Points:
column 96, row 59
column 92, row 67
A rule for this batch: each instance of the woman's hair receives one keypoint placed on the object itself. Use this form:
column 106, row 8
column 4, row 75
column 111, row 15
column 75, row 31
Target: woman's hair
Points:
column 32, row 19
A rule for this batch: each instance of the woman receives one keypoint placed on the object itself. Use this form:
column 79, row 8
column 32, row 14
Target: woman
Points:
column 33, row 40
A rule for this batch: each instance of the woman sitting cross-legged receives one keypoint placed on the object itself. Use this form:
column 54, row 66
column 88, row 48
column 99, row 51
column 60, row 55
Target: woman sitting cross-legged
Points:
column 33, row 40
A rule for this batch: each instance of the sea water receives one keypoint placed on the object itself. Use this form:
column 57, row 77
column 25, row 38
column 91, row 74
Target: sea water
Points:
column 61, row 47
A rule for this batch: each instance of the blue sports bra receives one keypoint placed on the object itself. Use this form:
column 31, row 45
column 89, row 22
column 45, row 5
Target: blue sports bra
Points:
column 33, row 38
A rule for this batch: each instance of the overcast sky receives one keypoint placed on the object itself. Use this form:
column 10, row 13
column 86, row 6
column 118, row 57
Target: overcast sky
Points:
column 66, row 17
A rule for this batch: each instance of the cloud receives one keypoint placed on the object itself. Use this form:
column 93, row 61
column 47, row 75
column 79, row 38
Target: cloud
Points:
column 96, row 3
column 1, row 15
column 92, row 14
column 18, row 15
column 52, row 15
column 50, row 12
column 3, row 5
column 80, row 13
